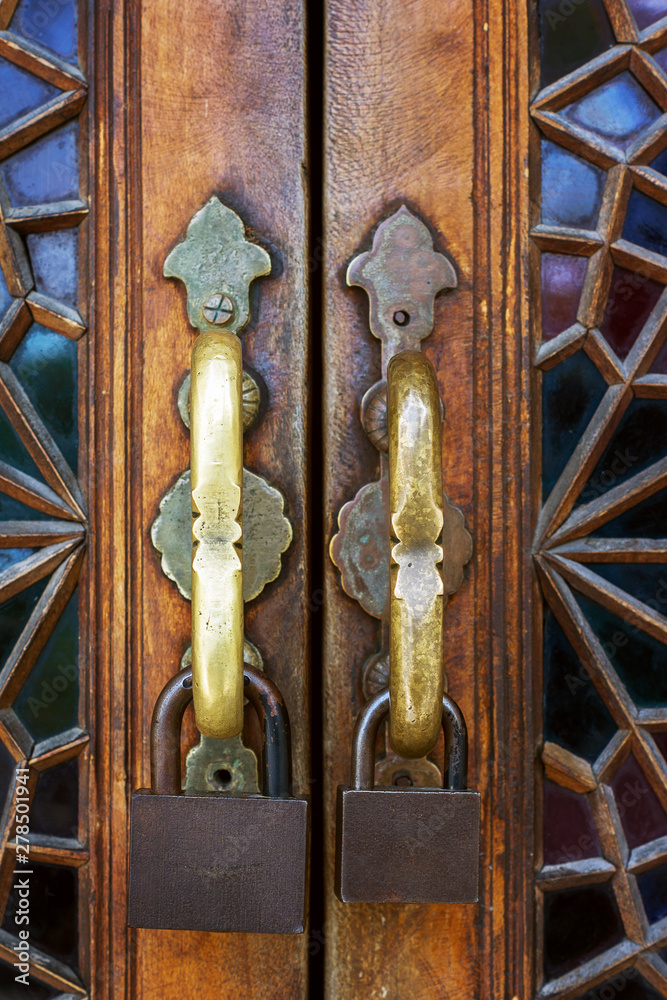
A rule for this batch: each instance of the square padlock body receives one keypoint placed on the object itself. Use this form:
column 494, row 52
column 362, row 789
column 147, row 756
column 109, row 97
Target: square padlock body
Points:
column 416, row 845
column 207, row 863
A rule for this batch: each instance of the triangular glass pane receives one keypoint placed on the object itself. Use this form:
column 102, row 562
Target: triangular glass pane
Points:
column 638, row 658
column 52, row 24
column 638, row 442
column 14, row 615
column 54, row 810
column 13, row 510
column 11, row 990
column 9, row 557
column 48, row 701
column 21, row 92
column 562, row 281
column 571, row 188
column 45, row 364
column 618, row 110
column 13, row 451
column 647, row 12
column 646, row 223
column 572, row 36
column 642, row 816
column 575, row 716
column 645, row 581
column 647, row 520
column 571, row 393
column 45, row 171
column 55, row 258
column 631, row 298
column 627, row 985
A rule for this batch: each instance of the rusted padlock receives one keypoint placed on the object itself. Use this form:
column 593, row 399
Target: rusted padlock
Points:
column 213, row 863
column 407, row 845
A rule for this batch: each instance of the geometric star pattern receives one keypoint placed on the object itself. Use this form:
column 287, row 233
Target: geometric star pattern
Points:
column 608, row 120
column 43, row 541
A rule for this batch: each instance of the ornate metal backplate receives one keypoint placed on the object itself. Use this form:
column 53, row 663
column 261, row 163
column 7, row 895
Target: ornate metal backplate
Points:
column 402, row 274
column 217, row 264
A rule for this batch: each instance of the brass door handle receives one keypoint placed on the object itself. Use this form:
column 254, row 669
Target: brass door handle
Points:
column 216, row 461
column 416, row 643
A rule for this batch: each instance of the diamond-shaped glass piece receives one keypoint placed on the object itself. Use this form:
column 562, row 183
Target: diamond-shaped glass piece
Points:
column 52, row 24
column 21, row 92
column 647, row 12
column 618, row 110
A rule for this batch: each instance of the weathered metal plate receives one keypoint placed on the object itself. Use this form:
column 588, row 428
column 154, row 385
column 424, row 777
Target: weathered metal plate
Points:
column 407, row 846
column 218, row 864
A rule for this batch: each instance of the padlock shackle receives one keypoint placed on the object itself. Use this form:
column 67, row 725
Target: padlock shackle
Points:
column 362, row 777
column 273, row 720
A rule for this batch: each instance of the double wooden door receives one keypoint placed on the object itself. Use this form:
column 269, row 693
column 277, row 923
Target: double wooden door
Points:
column 529, row 141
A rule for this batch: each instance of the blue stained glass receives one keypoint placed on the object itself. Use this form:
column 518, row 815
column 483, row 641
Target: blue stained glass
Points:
column 571, row 392
column 653, row 888
column 14, row 510
column 21, row 92
column 647, row 12
column 5, row 297
column 51, row 23
column 661, row 59
column 54, row 258
column 47, row 704
column 45, row 171
column 8, row 557
column 646, row 223
column 660, row 162
column 46, row 365
column 571, row 189
column 618, row 110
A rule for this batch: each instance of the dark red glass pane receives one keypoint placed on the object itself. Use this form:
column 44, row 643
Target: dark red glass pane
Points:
column 578, row 924
column 562, row 281
column 631, row 299
column 642, row 816
column 569, row 830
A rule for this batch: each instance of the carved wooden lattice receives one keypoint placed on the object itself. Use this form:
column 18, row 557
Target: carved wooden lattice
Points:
column 600, row 250
column 42, row 510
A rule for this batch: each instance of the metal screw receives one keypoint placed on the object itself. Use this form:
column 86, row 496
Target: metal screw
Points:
column 218, row 309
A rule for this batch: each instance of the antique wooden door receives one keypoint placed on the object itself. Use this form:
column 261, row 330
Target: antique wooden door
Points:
column 526, row 146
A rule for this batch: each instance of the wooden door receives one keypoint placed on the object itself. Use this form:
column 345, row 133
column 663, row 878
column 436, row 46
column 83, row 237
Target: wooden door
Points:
column 529, row 141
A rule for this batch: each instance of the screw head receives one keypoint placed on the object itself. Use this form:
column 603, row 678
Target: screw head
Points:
column 218, row 309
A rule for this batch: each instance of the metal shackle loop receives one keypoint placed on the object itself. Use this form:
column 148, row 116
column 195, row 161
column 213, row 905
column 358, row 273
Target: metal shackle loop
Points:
column 267, row 701
column 362, row 777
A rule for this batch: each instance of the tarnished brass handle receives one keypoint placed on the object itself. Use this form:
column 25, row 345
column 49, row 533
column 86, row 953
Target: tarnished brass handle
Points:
column 217, row 562
column 416, row 594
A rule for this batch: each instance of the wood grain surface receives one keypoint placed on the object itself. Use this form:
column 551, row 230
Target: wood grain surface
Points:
column 425, row 106
column 189, row 102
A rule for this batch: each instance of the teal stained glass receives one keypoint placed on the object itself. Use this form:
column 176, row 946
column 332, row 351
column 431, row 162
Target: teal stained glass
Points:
column 55, row 259
column 45, row 171
column 51, row 23
column 14, row 615
column 13, row 451
column 21, row 92
column 14, row 510
column 9, row 557
column 48, row 701
column 46, row 365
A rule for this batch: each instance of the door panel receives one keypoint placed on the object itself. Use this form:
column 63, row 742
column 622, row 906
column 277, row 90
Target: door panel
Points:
column 425, row 126
column 202, row 117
